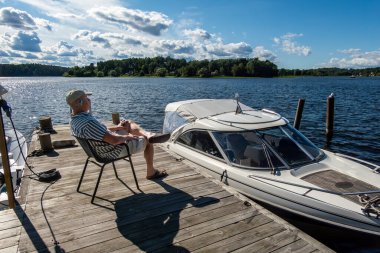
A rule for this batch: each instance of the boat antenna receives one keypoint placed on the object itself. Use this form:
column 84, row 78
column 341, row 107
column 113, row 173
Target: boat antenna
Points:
column 238, row 108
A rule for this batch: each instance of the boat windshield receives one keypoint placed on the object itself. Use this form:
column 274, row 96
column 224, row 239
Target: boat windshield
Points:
column 246, row 149
column 283, row 145
column 294, row 148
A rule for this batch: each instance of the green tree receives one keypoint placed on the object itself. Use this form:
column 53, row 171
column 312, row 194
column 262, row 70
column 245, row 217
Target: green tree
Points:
column 112, row 73
column 204, row 72
column 161, row 72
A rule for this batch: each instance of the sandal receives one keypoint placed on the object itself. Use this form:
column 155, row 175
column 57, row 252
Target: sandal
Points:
column 158, row 174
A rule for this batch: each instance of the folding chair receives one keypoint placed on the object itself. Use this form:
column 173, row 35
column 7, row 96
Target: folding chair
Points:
column 101, row 160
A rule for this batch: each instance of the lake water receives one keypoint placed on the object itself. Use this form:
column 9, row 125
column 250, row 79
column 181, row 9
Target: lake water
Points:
column 357, row 104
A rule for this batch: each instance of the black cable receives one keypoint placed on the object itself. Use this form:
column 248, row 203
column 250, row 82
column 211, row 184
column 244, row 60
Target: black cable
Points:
column 56, row 243
column 45, row 176
column 18, row 141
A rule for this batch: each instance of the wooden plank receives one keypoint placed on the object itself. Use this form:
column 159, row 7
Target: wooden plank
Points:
column 197, row 236
column 12, row 249
column 133, row 227
column 158, row 232
column 226, row 240
column 130, row 215
column 9, row 242
column 11, row 232
column 270, row 243
column 299, row 246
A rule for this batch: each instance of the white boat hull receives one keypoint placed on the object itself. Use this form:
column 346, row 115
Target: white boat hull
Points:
column 281, row 197
column 16, row 162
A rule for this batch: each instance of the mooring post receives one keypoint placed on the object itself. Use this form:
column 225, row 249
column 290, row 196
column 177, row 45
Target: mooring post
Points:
column 115, row 118
column 45, row 124
column 45, row 141
column 330, row 118
column 297, row 120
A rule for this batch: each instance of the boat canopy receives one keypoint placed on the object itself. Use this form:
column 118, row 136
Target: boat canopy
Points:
column 213, row 113
column 179, row 113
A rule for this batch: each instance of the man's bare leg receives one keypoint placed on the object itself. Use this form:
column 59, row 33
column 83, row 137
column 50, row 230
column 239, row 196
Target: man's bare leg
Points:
column 148, row 155
column 135, row 129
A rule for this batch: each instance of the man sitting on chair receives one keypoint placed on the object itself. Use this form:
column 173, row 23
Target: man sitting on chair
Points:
column 84, row 125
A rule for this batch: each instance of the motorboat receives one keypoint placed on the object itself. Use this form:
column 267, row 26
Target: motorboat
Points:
column 262, row 156
column 17, row 150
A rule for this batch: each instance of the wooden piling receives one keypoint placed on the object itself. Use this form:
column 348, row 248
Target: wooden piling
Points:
column 45, row 124
column 45, row 141
column 297, row 120
column 115, row 118
column 330, row 118
column 6, row 166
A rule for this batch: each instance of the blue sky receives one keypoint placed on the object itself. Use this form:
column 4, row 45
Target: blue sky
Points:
column 291, row 33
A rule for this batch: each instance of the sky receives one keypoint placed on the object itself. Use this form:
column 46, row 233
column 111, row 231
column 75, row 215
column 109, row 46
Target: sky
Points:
column 294, row 34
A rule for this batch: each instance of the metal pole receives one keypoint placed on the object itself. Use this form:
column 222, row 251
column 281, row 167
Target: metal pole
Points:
column 330, row 118
column 297, row 120
column 6, row 167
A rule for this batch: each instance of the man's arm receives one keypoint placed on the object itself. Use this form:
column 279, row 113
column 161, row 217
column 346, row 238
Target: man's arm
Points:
column 123, row 125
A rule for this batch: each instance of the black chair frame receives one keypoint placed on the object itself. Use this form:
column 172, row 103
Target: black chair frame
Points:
column 101, row 162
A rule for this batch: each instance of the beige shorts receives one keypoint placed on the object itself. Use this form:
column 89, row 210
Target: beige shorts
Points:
column 135, row 146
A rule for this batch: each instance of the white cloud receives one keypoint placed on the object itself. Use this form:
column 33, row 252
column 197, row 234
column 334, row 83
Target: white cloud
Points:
column 288, row 45
column 44, row 23
column 233, row 50
column 96, row 38
column 264, row 54
column 197, row 34
column 15, row 18
column 356, row 59
column 349, row 51
column 22, row 20
column 151, row 22
column 105, row 40
column 25, row 41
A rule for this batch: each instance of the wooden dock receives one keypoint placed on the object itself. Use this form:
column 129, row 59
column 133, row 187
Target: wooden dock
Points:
column 185, row 212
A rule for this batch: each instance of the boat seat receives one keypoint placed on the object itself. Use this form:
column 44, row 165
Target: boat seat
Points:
column 102, row 159
column 256, row 155
column 237, row 144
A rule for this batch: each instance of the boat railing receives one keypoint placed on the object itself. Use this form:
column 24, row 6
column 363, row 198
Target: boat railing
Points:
column 375, row 168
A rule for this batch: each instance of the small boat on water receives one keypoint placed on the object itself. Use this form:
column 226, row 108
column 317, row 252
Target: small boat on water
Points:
column 262, row 156
column 16, row 162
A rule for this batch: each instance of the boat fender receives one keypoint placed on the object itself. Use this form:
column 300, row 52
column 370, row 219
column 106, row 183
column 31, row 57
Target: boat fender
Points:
column 48, row 176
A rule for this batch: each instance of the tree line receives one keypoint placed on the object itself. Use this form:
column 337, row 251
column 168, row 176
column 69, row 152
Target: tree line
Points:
column 166, row 66
column 31, row 70
column 330, row 72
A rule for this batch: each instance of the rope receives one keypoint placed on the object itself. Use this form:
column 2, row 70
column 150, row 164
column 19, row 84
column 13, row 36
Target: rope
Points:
column 370, row 205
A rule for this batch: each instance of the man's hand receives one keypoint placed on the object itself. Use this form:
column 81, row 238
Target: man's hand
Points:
column 129, row 137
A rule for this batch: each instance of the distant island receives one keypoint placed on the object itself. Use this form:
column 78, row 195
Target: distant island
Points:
column 167, row 66
column 31, row 70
